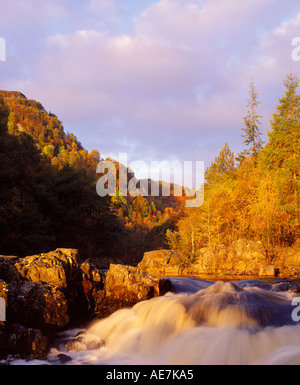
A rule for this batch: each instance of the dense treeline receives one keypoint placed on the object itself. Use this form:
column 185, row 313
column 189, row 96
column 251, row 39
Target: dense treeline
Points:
column 48, row 196
column 29, row 116
column 256, row 194
column 48, row 193
column 43, row 207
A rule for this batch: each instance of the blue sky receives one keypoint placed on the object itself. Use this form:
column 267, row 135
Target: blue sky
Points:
column 159, row 80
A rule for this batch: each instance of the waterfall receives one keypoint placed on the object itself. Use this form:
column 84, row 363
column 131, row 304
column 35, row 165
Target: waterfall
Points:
column 202, row 323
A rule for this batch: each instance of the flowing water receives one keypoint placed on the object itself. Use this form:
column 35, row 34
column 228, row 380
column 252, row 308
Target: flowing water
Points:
column 246, row 322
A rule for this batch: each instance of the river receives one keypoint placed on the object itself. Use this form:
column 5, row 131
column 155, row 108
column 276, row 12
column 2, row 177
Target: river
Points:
column 202, row 323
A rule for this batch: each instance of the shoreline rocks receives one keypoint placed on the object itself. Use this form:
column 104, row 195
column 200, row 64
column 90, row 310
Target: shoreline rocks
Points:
column 131, row 285
column 243, row 258
column 49, row 292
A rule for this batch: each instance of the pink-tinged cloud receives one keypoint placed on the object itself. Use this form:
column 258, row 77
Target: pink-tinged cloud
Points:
column 174, row 84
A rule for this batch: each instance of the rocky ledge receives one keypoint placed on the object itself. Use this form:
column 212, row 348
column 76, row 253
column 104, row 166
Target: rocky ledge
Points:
column 50, row 292
column 242, row 258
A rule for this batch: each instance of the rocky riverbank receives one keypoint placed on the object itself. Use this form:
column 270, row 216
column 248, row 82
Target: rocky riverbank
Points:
column 47, row 293
column 242, row 258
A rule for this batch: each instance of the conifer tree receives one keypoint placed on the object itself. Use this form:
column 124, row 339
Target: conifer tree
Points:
column 252, row 133
column 281, row 155
column 222, row 167
column 282, row 150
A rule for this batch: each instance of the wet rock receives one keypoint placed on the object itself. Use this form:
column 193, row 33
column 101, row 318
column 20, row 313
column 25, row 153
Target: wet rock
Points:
column 63, row 358
column 26, row 341
column 81, row 343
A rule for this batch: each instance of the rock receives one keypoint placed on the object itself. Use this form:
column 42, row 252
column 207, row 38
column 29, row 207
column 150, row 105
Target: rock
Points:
column 93, row 286
column 26, row 341
column 57, row 268
column 161, row 263
column 48, row 292
column 37, row 305
column 291, row 271
column 267, row 271
column 129, row 284
column 63, row 358
column 81, row 343
column 3, row 302
column 241, row 258
column 249, row 250
column 8, row 270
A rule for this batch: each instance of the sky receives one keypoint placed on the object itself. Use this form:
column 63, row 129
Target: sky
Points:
column 164, row 80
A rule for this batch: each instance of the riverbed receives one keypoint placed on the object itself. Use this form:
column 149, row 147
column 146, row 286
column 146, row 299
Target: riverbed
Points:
column 204, row 322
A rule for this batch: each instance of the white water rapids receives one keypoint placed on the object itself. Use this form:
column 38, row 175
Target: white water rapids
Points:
column 203, row 323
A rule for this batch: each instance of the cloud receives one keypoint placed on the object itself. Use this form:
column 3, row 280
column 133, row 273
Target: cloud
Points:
column 173, row 86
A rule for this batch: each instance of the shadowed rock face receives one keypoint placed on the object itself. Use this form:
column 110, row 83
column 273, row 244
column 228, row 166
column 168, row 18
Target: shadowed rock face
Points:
column 49, row 292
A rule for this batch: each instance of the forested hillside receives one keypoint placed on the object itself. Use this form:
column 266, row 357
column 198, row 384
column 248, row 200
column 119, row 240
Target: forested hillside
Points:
column 48, row 193
column 48, row 196
column 254, row 195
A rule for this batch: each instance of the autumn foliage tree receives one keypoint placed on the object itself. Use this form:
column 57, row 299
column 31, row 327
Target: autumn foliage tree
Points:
column 259, row 198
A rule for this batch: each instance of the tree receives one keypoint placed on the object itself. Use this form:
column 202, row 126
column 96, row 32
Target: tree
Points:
column 281, row 155
column 252, row 134
column 188, row 238
column 222, row 167
column 269, row 220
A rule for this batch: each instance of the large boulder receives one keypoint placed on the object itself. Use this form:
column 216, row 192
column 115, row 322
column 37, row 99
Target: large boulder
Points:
column 57, row 268
column 131, row 285
column 267, row 271
column 37, row 305
column 162, row 263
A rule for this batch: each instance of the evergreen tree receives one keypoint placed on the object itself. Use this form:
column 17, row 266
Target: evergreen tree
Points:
column 252, row 134
column 222, row 167
column 282, row 150
column 281, row 155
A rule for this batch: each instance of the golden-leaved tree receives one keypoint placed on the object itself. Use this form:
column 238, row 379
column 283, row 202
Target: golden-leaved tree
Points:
column 259, row 198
